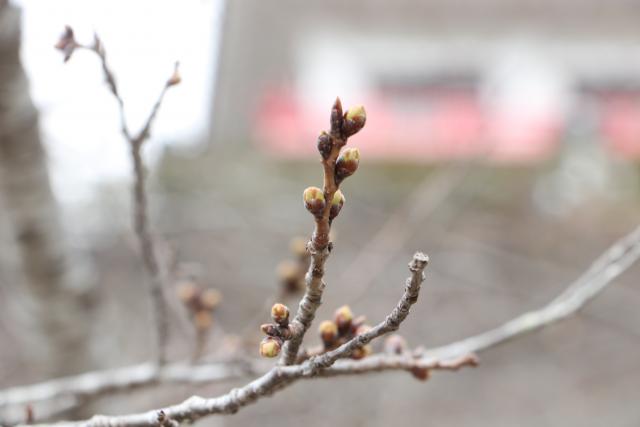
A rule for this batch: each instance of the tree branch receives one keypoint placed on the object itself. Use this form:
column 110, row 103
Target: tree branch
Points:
column 279, row 376
column 612, row 263
column 319, row 247
column 606, row 268
column 68, row 44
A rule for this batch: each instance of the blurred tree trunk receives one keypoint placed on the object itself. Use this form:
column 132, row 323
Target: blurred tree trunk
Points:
column 51, row 301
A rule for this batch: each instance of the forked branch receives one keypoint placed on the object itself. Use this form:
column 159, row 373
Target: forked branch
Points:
column 68, row 44
column 281, row 376
column 613, row 262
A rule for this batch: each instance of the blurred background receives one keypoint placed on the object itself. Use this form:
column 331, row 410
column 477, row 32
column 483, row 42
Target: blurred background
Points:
column 502, row 138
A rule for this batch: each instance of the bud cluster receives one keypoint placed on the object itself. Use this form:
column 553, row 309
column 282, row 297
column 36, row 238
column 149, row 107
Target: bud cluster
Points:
column 343, row 328
column 200, row 303
column 343, row 125
column 277, row 332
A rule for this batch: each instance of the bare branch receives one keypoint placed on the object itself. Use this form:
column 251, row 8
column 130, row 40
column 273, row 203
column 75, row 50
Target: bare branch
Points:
column 612, row 263
column 391, row 323
column 617, row 259
column 280, row 376
column 140, row 214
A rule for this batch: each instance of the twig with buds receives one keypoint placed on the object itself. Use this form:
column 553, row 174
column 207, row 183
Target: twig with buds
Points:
column 68, row 44
column 325, row 205
column 280, row 377
column 611, row 264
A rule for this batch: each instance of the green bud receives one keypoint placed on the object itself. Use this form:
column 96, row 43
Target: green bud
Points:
column 314, row 200
column 347, row 163
column 336, row 204
column 354, row 120
column 270, row 347
column 280, row 314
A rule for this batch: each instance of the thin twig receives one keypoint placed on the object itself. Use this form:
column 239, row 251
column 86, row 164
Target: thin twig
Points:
column 319, row 246
column 279, row 376
column 617, row 259
column 140, row 210
column 391, row 323
column 607, row 267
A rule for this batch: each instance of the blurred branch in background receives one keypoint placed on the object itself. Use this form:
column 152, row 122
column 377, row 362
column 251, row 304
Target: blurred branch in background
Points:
column 55, row 299
column 68, row 44
column 604, row 270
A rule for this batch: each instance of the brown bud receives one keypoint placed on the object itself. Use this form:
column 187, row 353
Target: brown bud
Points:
column 269, row 329
column 395, row 344
column 203, row 320
column 298, row 247
column 328, row 332
column 187, row 292
column 324, row 144
column 67, row 43
column 362, row 352
column 354, row 120
column 336, row 117
column 336, row 204
column 280, row 314
column 276, row 331
column 270, row 347
column 210, row 298
column 347, row 163
column 290, row 275
column 420, row 373
column 343, row 317
column 175, row 77
column 314, row 200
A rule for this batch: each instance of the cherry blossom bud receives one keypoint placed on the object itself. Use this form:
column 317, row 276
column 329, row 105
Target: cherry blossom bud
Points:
column 203, row 320
column 187, row 292
column 324, row 144
column 336, row 204
column 337, row 118
column 314, row 200
column 328, row 332
column 270, row 347
column 280, row 314
column 347, row 163
column 354, row 120
column 298, row 247
column 343, row 317
column 210, row 298
column 290, row 275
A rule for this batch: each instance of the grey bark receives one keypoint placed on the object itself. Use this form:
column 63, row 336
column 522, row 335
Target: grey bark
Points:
column 49, row 296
